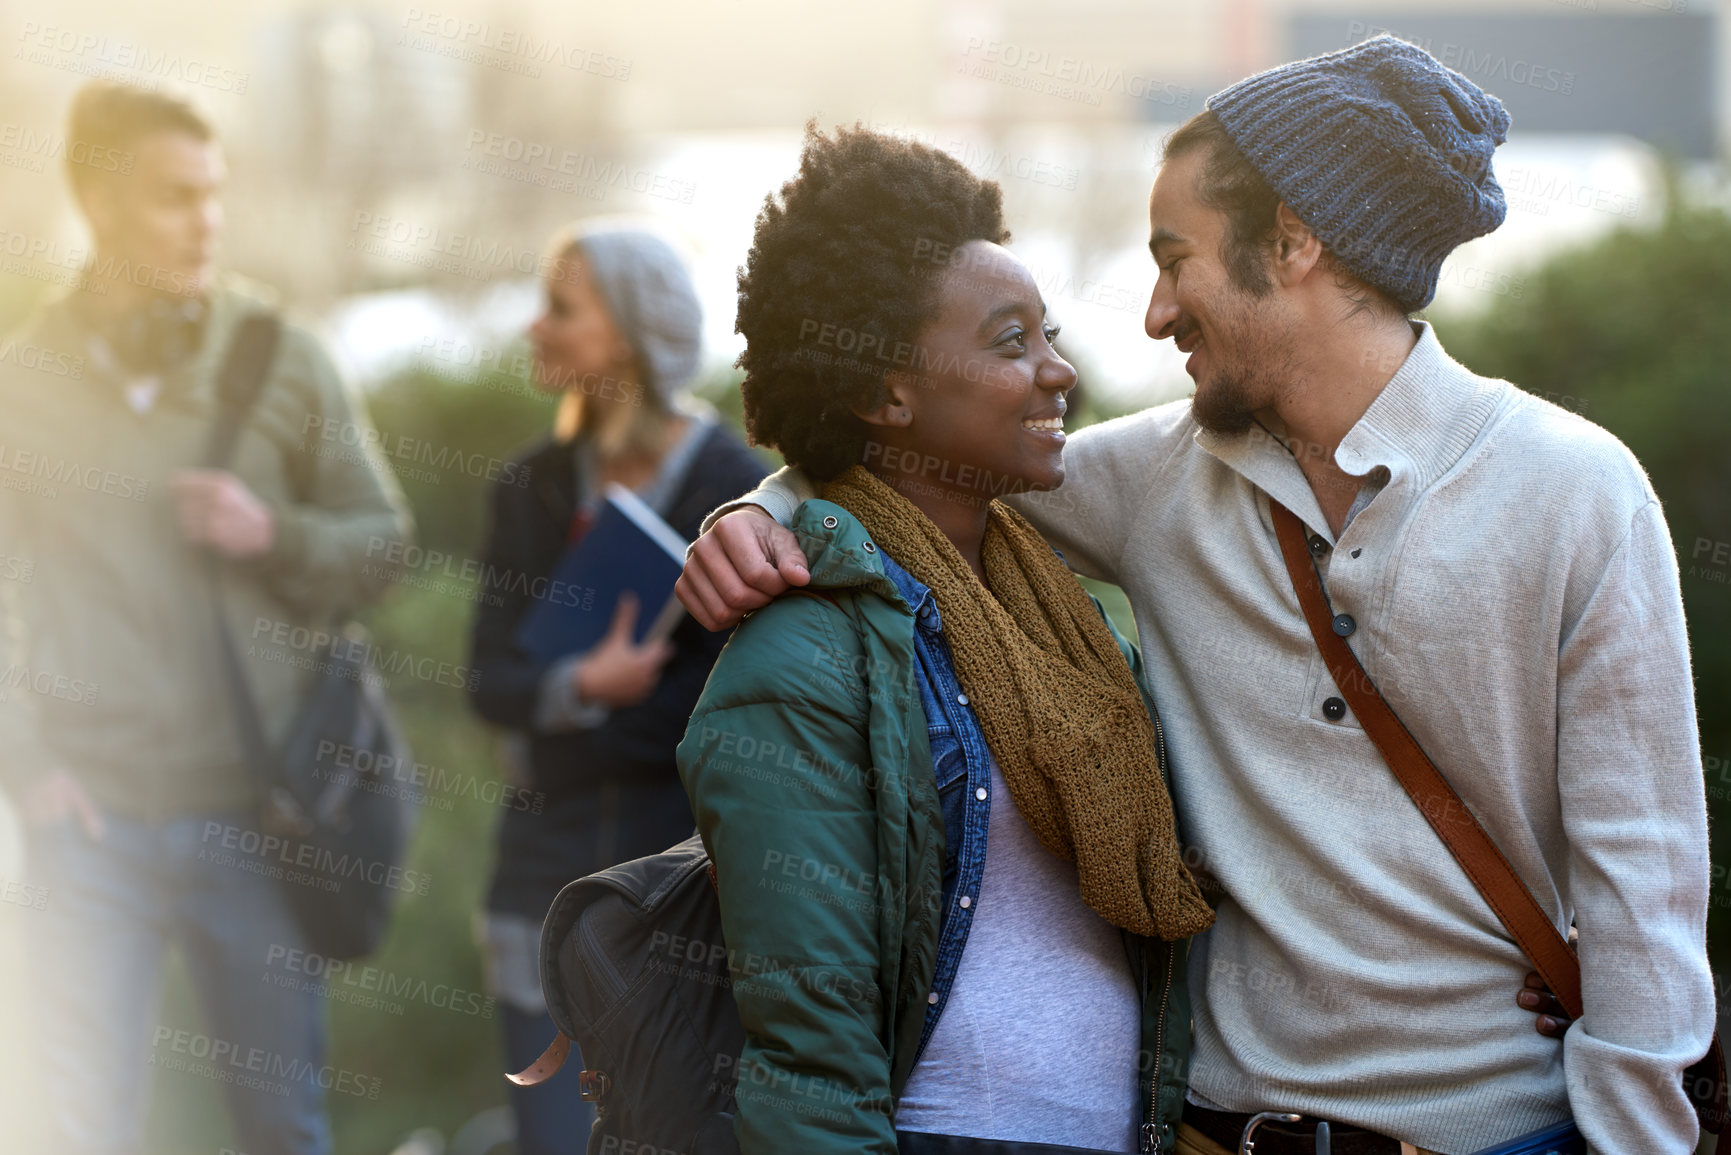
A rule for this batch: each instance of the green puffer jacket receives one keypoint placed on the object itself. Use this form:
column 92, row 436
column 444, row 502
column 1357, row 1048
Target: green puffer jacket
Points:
column 810, row 774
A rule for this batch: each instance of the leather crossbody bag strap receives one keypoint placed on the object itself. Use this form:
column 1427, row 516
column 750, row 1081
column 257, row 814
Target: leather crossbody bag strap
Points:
column 1459, row 830
column 1472, row 847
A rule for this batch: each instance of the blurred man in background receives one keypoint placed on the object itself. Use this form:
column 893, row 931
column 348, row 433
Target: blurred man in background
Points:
column 120, row 743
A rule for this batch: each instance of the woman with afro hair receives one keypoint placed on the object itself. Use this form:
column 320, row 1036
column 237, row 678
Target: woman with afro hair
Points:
column 930, row 780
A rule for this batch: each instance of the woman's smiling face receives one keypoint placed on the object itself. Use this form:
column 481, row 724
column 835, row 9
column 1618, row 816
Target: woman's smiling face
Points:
column 978, row 409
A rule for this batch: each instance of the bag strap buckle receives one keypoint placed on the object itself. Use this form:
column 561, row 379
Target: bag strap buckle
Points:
column 547, row 1065
column 593, row 1085
column 1247, row 1142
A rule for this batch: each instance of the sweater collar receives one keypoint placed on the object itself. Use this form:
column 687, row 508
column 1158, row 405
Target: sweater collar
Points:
column 61, row 324
column 1422, row 422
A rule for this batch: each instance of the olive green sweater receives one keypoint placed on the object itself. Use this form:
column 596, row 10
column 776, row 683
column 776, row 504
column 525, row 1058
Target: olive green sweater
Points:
column 109, row 659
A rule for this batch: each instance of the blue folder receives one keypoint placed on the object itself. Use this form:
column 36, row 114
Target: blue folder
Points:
column 628, row 547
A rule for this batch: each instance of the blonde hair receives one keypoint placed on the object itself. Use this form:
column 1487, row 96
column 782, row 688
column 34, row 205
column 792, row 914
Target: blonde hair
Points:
column 633, row 427
column 628, row 428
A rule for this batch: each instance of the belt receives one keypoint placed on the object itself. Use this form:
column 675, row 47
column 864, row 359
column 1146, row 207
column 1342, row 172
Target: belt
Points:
column 923, row 1143
column 1227, row 1128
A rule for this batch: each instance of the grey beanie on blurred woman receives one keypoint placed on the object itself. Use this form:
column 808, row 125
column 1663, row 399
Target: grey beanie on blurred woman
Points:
column 647, row 288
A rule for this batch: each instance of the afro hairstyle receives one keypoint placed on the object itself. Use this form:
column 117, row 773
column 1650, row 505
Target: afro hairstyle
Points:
column 842, row 275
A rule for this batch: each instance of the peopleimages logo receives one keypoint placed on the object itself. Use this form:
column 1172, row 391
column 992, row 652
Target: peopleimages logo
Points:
column 1068, row 76
column 231, row 1062
column 29, row 356
column 307, row 864
column 86, row 52
column 23, row 894
column 562, row 170
column 47, row 470
column 36, row 147
column 466, row 39
column 431, row 247
column 34, row 247
column 362, row 984
column 444, row 458
column 400, row 558
column 362, row 652
column 418, row 782
column 1487, row 67
column 19, row 676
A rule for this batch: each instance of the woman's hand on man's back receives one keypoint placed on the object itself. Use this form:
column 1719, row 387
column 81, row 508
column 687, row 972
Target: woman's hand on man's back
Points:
column 741, row 564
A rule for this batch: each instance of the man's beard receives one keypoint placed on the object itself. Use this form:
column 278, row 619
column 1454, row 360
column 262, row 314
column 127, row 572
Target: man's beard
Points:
column 1229, row 403
column 1237, row 391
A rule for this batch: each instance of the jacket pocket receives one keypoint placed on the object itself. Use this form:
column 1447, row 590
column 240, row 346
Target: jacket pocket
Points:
column 949, row 766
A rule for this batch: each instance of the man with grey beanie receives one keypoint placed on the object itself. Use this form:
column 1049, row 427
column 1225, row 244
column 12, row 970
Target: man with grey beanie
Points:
column 1507, row 580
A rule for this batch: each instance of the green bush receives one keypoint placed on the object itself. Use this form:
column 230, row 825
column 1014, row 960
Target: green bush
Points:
column 446, row 438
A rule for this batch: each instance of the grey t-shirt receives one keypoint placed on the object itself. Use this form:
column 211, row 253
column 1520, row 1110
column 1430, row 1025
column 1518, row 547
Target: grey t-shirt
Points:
column 1040, row 1036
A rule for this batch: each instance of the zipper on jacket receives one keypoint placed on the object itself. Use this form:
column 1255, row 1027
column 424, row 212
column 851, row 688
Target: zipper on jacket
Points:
column 596, row 962
column 1151, row 1144
column 1159, row 742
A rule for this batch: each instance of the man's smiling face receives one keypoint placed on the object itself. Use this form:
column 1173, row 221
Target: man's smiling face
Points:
column 1236, row 328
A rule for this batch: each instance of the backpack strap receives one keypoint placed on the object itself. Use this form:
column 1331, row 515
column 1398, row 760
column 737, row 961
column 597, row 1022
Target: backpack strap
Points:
column 245, row 367
column 1460, row 831
column 547, row 1065
column 241, row 379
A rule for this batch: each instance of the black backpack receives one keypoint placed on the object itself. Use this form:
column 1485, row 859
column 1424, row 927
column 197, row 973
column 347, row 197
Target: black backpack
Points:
column 635, row 972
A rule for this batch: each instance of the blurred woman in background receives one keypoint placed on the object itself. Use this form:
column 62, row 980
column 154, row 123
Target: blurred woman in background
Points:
column 592, row 734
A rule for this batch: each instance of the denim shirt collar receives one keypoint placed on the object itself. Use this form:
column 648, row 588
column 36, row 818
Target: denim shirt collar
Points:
column 916, row 593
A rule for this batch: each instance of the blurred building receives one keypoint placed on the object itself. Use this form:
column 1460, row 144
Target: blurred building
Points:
column 1652, row 68
column 378, row 145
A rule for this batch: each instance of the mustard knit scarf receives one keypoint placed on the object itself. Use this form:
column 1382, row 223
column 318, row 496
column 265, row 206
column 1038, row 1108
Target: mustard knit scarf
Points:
column 1060, row 709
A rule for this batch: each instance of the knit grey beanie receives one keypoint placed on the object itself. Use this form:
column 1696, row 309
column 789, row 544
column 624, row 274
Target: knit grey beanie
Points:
column 648, row 290
column 1382, row 151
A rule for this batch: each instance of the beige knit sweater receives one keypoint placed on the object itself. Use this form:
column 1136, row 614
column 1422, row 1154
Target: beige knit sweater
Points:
column 1516, row 597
